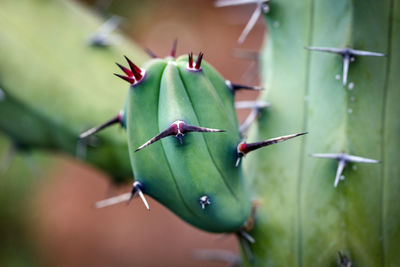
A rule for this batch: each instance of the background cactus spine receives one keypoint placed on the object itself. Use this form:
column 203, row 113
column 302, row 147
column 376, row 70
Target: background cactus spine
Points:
column 303, row 219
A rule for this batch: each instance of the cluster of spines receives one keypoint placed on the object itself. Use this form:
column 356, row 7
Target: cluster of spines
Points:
column 179, row 128
column 195, row 66
column 134, row 75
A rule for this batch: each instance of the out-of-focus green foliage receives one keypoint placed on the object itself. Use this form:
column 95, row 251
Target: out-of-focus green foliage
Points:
column 17, row 183
column 54, row 85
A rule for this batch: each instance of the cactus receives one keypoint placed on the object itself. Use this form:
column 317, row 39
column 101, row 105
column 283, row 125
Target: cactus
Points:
column 17, row 188
column 198, row 175
column 55, row 86
column 307, row 218
column 313, row 212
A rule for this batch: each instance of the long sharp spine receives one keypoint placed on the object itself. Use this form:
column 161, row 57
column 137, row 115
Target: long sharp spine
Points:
column 137, row 72
column 137, row 189
column 178, row 129
column 243, row 148
column 125, row 70
column 130, row 80
column 190, row 61
column 343, row 159
column 115, row 120
column 198, row 61
column 236, row 87
column 126, row 197
column 347, row 54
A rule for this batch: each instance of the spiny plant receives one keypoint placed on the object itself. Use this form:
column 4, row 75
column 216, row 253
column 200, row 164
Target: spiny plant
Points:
column 197, row 174
column 17, row 188
column 303, row 220
column 337, row 210
column 45, row 100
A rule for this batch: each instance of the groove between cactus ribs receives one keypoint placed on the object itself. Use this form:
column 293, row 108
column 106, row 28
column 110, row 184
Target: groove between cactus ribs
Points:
column 303, row 144
column 346, row 145
column 383, row 122
column 205, row 140
column 163, row 150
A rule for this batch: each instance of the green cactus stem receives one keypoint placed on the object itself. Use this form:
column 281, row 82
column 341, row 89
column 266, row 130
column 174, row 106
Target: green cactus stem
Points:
column 55, row 84
column 303, row 220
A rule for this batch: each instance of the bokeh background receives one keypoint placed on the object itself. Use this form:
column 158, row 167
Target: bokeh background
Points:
column 61, row 227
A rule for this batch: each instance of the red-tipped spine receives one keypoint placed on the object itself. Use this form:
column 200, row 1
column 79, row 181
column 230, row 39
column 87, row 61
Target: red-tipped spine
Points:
column 125, row 70
column 198, row 61
column 191, row 60
column 136, row 71
column 242, row 148
column 130, row 80
column 173, row 49
column 245, row 148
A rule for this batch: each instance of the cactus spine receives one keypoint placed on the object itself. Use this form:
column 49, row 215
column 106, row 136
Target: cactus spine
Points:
column 303, row 219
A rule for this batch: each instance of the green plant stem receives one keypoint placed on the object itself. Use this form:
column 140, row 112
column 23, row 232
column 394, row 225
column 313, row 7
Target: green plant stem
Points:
column 56, row 86
column 303, row 220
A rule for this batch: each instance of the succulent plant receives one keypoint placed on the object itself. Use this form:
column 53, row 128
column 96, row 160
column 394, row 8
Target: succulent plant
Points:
column 53, row 87
column 321, row 203
column 340, row 210
column 198, row 175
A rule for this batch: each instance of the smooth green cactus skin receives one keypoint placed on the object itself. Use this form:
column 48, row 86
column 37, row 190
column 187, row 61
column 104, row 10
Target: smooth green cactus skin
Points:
column 56, row 86
column 303, row 220
column 175, row 174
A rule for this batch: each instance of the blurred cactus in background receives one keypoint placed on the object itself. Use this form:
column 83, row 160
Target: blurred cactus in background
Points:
column 51, row 73
column 56, row 81
column 346, row 99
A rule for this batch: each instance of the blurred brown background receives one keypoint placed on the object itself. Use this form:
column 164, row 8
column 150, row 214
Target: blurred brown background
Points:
column 69, row 232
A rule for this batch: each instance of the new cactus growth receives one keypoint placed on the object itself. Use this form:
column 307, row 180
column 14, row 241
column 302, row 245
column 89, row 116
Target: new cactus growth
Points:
column 196, row 175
